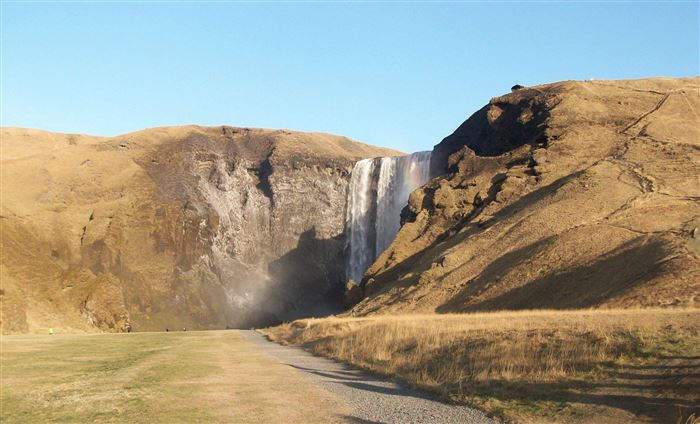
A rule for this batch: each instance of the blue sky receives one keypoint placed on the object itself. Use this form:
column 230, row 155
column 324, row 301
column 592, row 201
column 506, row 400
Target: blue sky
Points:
column 402, row 75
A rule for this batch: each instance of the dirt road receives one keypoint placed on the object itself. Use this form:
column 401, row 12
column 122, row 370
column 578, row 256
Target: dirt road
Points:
column 371, row 399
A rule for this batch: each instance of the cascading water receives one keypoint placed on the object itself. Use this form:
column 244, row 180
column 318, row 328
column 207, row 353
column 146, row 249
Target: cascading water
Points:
column 359, row 218
column 379, row 189
column 398, row 177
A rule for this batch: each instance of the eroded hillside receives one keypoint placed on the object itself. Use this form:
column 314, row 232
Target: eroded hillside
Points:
column 566, row 195
column 172, row 227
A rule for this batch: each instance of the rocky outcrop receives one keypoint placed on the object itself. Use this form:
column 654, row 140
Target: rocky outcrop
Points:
column 172, row 227
column 567, row 195
column 352, row 295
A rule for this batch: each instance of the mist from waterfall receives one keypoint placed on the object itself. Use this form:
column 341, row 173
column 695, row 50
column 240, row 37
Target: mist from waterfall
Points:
column 379, row 190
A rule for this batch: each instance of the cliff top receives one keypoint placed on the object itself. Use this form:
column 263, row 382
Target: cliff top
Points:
column 23, row 142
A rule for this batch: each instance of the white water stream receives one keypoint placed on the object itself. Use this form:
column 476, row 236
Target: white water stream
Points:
column 379, row 189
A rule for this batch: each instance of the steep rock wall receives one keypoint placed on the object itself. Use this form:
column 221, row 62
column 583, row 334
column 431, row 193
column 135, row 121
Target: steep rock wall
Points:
column 172, row 227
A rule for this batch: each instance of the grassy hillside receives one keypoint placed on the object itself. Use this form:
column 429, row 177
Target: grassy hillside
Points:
column 592, row 366
column 574, row 194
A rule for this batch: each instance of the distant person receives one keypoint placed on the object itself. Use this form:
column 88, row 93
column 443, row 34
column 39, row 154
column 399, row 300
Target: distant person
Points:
column 128, row 328
column 184, row 328
column 50, row 331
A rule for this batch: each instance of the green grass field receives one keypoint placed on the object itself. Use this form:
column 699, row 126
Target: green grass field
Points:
column 212, row 376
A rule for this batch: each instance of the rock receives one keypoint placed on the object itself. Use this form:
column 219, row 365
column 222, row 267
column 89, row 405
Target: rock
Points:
column 104, row 306
column 369, row 287
column 229, row 226
column 539, row 156
column 447, row 261
column 353, row 294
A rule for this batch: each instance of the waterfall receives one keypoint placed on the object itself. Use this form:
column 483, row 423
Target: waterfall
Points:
column 379, row 189
column 359, row 218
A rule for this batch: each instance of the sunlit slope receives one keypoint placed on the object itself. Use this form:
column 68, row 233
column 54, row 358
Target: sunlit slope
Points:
column 566, row 195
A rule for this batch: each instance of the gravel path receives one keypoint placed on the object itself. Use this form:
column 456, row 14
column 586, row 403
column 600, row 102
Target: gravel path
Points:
column 374, row 399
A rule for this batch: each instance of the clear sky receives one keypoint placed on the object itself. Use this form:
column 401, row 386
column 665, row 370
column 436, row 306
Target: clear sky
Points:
column 402, row 75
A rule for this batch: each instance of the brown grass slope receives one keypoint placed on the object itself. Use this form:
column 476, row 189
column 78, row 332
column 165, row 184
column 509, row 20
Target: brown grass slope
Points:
column 155, row 228
column 582, row 366
column 566, row 195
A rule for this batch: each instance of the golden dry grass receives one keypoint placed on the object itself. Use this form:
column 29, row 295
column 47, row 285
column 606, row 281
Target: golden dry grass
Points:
column 586, row 365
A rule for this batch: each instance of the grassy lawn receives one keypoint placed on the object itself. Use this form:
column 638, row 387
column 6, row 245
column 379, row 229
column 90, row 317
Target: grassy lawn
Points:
column 593, row 366
column 152, row 377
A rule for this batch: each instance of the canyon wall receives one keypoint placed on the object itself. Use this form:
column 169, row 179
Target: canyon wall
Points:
column 173, row 227
column 565, row 195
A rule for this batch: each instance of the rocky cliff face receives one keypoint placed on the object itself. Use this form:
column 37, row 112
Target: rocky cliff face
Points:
column 567, row 195
column 172, row 227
